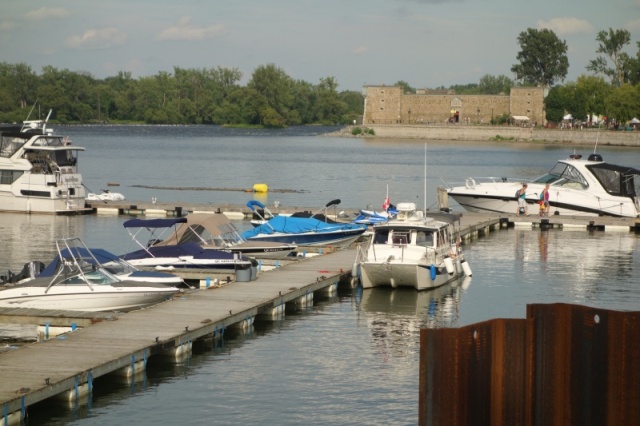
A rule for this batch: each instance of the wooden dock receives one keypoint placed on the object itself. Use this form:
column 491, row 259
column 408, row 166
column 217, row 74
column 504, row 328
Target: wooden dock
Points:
column 43, row 370
column 108, row 343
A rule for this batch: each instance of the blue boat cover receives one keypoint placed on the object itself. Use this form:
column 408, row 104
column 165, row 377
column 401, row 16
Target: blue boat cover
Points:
column 298, row 225
column 153, row 223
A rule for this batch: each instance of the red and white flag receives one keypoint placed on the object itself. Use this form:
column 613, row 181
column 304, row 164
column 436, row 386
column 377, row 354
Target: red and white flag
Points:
column 386, row 204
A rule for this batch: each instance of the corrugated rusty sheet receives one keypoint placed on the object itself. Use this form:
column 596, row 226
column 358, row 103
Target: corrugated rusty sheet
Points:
column 564, row 364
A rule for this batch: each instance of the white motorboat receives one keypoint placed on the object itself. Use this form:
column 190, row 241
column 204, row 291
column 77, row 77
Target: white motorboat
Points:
column 578, row 187
column 413, row 250
column 215, row 231
column 187, row 255
column 81, row 285
column 73, row 249
column 39, row 171
column 106, row 195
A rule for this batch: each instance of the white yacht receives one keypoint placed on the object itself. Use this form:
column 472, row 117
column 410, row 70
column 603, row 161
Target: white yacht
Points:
column 413, row 250
column 578, row 187
column 39, row 171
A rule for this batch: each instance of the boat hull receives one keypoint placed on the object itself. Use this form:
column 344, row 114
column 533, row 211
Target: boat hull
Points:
column 11, row 203
column 335, row 239
column 415, row 275
column 70, row 298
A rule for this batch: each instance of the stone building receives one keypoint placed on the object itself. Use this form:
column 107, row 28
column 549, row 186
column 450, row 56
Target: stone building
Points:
column 390, row 105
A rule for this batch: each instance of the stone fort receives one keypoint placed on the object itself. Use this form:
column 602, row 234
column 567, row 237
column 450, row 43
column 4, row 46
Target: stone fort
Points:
column 390, row 105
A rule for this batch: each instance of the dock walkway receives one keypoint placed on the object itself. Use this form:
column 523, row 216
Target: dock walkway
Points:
column 40, row 371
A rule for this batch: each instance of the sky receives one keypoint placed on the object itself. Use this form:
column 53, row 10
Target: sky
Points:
column 426, row 43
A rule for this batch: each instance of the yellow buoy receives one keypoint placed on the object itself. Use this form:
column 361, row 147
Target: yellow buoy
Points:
column 260, row 187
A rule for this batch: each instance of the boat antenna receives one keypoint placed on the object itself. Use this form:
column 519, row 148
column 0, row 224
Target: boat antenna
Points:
column 31, row 110
column 597, row 135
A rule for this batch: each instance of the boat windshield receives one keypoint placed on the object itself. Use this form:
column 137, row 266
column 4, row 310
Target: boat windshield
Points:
column 10, row 144
column 565, row 175
column 617, row 180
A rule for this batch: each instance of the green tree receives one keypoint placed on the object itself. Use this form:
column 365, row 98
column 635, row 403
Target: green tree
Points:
column 592, row 91
column 611, row 44
column 623, row 103
column 555, row 104
column 542, row 58
column 495, row 85
column 405, row 86
column 274, row 85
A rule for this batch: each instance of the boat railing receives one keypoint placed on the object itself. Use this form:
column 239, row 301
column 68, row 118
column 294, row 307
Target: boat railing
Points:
column 471, row 182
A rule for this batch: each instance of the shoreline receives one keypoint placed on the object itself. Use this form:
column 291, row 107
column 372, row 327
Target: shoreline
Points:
column 497, row 134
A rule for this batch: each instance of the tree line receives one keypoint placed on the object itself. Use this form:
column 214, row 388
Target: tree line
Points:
column 272, row 98
column 187, row 96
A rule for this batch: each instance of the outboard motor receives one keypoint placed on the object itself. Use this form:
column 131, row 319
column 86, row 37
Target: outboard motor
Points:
column 595, row 157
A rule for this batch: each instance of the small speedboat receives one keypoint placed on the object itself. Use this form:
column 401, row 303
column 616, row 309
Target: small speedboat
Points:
column 80, row 285
column 106, row 195
column 413, row 250
column 578, row 187
column 187, row 255
column 305, row 231
column 372, row 217
column 214, row 231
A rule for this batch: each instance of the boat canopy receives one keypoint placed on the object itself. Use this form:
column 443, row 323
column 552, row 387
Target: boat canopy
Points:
column 617, row 180
column 102, row 256
column 203, row 228
column 153, row 223
column 298, row 225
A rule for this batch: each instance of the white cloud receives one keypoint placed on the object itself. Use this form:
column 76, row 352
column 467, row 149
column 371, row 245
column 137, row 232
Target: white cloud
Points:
column 565, row 26
column 7, row 25
column 47, row 13
column 633, row 26
column 361, row 50
column 97, row 39
column 183, row 31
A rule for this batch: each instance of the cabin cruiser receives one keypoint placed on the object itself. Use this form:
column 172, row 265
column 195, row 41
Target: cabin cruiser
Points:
column 81, row 285
column 578, row 187
column 413, row 250
column 39, row 171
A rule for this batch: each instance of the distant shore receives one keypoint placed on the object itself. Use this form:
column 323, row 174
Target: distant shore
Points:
column 498, row 133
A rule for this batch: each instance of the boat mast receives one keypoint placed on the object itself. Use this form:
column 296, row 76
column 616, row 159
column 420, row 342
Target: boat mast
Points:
column 425, row 178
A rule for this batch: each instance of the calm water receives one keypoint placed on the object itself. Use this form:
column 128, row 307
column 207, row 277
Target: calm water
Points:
column 350, row 359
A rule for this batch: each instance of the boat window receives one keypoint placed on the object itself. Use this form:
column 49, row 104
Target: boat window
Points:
column 424, row 239
column 65, row 158
column 9, row 145
column 617, row 180
column 381, row 236
column 7, row 177
column 401, row 237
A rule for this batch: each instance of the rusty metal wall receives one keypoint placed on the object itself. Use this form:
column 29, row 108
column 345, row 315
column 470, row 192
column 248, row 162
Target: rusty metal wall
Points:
column 563, row 365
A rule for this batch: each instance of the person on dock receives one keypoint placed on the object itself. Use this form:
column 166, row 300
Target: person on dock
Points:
column 522, row 203
column 544, row 201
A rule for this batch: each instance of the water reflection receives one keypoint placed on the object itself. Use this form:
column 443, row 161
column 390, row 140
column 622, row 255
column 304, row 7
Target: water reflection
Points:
column 395, row 316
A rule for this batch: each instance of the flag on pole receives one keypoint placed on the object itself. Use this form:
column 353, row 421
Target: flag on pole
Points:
column 386, row 204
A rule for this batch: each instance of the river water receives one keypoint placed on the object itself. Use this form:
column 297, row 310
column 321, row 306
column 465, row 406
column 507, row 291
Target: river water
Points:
column 352, row 358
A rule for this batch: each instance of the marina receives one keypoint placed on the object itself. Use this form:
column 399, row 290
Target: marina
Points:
column 124, row 342
column 317, row 361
